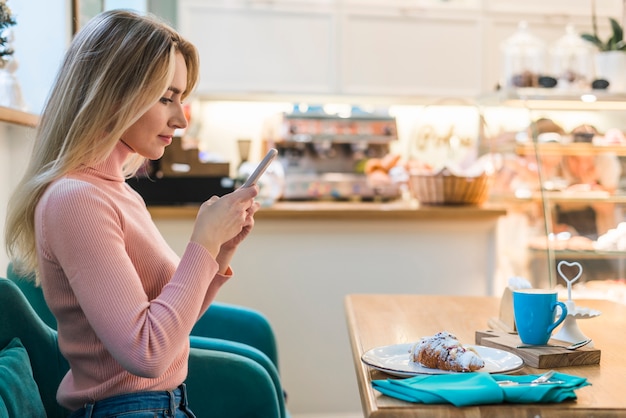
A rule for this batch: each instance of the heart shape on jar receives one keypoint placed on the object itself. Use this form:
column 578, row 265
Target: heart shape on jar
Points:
column 573, row 267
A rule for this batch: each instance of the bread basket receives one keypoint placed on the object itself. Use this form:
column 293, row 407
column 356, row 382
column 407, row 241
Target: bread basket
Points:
column 445, row 188
column 452, row 186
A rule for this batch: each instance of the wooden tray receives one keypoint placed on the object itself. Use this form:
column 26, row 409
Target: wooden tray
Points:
column 540, row 358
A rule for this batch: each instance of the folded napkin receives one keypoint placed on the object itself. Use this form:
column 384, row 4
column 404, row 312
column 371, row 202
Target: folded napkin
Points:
column 463, row 389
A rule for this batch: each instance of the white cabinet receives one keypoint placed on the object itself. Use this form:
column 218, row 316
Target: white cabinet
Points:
column 261, row 47
column 410, row 51
column 417, row 48
column 332, row 47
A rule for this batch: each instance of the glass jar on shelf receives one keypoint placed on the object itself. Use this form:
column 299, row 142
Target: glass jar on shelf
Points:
column 572, row 61
column 523, row 58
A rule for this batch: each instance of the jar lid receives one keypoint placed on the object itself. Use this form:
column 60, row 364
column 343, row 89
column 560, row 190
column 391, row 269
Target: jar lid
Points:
column 523, row 42
column 571, row 43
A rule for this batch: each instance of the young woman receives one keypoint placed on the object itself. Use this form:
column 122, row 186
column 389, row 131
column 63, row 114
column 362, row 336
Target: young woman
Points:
column 125, row 303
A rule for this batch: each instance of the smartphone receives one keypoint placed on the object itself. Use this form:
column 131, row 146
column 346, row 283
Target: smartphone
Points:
column 260, row 169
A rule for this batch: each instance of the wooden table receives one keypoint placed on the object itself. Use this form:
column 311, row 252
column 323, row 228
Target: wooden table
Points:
column 379, row 320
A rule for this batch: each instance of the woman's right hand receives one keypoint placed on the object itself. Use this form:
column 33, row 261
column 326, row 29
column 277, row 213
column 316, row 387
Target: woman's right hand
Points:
column 220, row 219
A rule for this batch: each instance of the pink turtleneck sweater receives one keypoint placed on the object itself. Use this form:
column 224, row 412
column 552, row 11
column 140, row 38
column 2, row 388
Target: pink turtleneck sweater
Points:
column 124, row 301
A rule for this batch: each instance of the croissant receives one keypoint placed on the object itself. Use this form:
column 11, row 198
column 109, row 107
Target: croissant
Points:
column 443, row 351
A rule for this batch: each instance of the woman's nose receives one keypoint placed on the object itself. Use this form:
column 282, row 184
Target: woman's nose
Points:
column 179, row 120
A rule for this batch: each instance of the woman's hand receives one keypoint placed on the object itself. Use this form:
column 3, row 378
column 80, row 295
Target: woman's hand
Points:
column 225, row 220
column 247, row 227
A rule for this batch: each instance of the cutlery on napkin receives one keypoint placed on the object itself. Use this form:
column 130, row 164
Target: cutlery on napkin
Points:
column 544, row 379
column 463, row 389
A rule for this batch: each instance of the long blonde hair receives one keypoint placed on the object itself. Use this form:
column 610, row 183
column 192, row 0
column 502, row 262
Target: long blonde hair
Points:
column 115, row 69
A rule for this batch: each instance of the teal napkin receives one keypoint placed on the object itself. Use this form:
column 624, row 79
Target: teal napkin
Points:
column 459, row 389
column 464, row 389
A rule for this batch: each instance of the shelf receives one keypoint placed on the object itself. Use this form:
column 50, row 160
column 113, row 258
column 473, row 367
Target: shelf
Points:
column 560, row 197
column 580, row 254
column 555, row 99
column 18, row 117
column 579, row 148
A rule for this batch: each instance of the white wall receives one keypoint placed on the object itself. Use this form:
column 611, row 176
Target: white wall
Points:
column 15, row 147
column 42, row 34
column 139, row 5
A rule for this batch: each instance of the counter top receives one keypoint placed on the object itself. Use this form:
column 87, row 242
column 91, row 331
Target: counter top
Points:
column 18, row 117
column 396, row 210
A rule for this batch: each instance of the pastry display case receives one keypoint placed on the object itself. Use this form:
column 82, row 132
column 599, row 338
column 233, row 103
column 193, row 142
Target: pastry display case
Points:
column 563, row 182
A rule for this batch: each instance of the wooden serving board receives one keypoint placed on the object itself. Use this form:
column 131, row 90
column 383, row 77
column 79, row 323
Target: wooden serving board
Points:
column 540, row 358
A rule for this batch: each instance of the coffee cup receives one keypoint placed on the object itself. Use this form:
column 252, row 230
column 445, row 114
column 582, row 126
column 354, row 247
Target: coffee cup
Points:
column 535, row 313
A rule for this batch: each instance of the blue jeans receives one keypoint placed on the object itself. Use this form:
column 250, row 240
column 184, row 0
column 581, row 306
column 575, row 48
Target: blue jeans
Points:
column 163, row 404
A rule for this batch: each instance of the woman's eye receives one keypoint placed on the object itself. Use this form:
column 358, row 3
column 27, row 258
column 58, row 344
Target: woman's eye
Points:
column 165, row 100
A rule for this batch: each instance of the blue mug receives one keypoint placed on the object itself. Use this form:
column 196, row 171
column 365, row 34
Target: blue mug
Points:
column 535, row 313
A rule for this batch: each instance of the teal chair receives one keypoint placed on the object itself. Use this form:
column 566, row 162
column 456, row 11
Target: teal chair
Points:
column 240, row 324
column 224, row 331
column 223, row 321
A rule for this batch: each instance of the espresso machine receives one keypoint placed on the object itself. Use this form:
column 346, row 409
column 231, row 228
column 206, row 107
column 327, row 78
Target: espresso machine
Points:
column 323, row 155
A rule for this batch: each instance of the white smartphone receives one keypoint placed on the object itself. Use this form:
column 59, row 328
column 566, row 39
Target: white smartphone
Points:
column 260, row 169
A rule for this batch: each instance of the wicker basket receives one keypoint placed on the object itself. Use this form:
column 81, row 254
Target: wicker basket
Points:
column 444, row 187
column 447, row 189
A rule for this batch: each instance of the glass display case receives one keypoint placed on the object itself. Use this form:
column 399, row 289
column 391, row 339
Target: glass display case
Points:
column 563, row 182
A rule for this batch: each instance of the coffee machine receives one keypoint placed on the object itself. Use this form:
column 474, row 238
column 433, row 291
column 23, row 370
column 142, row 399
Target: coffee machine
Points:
column 323, row 155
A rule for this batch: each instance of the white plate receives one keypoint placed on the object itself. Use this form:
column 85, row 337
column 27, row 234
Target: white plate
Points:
column 394, row 360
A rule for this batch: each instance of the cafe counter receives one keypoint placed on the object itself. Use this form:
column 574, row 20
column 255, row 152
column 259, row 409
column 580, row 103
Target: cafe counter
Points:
column 303, row 258
column 325, row 210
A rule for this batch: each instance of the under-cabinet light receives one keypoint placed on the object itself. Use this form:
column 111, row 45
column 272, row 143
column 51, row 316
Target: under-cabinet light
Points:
column 588, row 98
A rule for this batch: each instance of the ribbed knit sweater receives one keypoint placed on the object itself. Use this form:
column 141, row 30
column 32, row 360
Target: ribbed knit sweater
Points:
column 125, row 303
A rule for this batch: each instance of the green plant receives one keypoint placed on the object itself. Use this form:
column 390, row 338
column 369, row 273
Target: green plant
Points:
column 6, row 21
column 614, row 43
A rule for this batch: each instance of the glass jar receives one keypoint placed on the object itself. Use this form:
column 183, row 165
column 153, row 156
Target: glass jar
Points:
column 523, row 59
column 572, row 61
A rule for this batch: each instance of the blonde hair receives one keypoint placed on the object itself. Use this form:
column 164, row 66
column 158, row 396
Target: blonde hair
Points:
column 115, row 69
